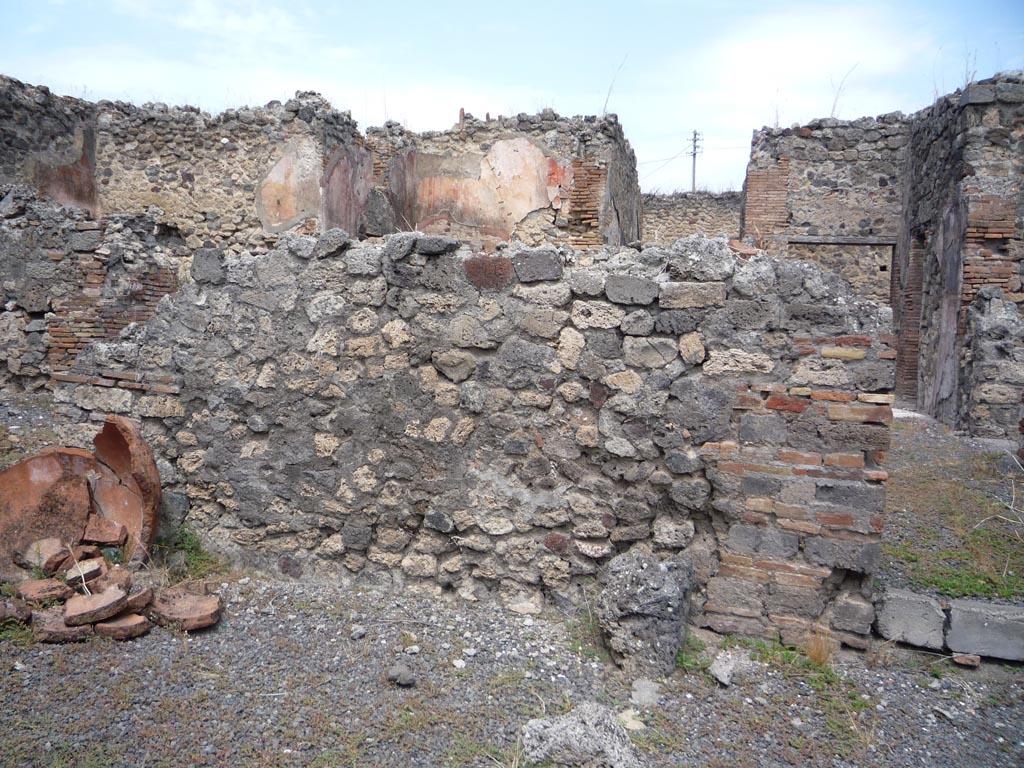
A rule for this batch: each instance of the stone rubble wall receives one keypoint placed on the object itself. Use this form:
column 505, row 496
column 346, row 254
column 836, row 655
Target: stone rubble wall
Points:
column 992, row 380
column 864, row 266
column 417, row 411
column 230, row 179
column 666, row 218
column 68, row 280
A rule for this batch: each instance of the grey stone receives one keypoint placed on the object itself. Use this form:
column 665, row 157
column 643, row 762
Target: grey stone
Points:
column 626, row 289
column 438, row 520
column 333, row 242
column 455, row 364
column 586, row 282
column 401, row 674
column 853, row 613
column 645, row 693
column 691, row 493
column 649, row 352
column 858, row 556
column 723, row 668
column 978, row 93
column 358, row 632
column 676, row 322
column 683, row 463
column 399, row 246
column 870, row 498
column 907, row 617
column 760, row 429
column 755, row 539
column 986, row 629
column 643, row 610
column 85, row 241
column 1010, row 92
column 208, row 266
column 534, row 266
column 518, row 353
column 638, row 323
column 589, row 735
column 435, row 245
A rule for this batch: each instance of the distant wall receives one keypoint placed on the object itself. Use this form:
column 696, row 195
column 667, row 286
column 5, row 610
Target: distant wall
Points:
column 669, row 217
column 829, row 191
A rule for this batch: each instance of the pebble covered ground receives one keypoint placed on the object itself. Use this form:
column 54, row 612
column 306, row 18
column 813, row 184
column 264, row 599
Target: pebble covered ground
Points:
column 297, row 674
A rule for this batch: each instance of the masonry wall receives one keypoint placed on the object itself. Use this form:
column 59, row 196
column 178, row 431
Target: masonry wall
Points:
column 501, row 425
column 829, row 191
column 666, row 218
column 992, row 372
column 68, row 280
column 231, row 179
column 961, row 234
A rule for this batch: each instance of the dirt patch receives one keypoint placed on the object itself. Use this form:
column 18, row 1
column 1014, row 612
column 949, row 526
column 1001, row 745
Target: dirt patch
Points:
column 948, row 528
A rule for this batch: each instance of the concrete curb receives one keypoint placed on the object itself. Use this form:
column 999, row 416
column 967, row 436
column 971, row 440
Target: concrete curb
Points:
column 961, row 626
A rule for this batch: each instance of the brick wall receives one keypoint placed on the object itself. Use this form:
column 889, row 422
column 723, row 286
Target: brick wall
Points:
column 765, row 201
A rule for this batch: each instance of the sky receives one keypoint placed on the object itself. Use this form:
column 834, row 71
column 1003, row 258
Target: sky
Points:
column 723, row 68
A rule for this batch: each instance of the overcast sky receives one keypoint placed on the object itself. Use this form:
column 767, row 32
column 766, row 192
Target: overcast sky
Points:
column 720, row 67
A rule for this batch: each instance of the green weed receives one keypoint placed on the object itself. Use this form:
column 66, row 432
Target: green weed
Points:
column 691, row 656
column 16, row 633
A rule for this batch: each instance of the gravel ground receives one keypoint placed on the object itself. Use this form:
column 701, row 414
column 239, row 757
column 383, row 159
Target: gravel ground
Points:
column 288, row 678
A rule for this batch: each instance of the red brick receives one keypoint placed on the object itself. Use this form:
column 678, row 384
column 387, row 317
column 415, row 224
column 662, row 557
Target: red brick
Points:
column 849, row 460
column 835, row 397
column 783, row 403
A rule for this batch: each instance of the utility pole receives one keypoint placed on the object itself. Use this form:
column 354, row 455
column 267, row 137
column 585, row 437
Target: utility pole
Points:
column 695, row 142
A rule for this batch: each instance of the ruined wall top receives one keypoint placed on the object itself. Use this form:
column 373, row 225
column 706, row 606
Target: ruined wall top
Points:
column 302, row 165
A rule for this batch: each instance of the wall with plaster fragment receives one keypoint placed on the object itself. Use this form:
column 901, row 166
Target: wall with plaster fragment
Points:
column 231, row 179
column 503, row 424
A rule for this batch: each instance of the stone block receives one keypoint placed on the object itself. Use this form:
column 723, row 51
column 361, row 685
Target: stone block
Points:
column 853, row 613
column 760, row 540
column 643, row 610
column 735, row 596
column 538, row 265
column 737, row 362
column 907, row 617
column 986, row 629
column 859, row 556
column 978, row 93
column 596, row 314
column 649, row 352
column 1012, row 93
column 691, row 295
column 626, row 289
column 208, row 266
column 802, row 602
